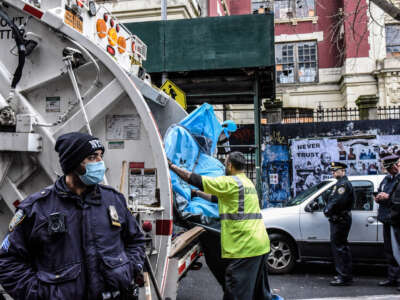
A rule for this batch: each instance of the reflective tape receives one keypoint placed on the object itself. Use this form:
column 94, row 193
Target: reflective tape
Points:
column 241, row 194
column 238, row 217
column 33, row 11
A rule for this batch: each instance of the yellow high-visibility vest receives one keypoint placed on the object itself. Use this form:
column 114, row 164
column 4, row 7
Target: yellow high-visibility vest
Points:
column 243, row 233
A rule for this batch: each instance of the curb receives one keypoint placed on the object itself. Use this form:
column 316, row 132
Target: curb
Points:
column 370, row 297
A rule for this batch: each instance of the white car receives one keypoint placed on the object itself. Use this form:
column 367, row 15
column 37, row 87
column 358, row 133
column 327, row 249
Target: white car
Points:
column 300, row 231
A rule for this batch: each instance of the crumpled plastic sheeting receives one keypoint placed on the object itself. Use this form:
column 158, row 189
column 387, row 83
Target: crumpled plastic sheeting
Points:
column 188, row 145
column 204, row 125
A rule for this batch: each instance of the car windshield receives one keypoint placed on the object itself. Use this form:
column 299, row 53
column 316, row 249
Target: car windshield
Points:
column 304, row 195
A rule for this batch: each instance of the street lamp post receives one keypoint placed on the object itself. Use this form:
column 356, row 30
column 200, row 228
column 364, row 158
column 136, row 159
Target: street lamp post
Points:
column 164, row 18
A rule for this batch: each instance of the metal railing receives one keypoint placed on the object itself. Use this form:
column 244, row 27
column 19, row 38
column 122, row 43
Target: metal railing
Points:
column 300, row 115
column 249, row 152
column 320, row 115
column 388, row 112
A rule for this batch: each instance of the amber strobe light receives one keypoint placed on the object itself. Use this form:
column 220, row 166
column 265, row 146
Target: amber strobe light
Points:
column 121, row 44
column 112, row 36
column 101, row 27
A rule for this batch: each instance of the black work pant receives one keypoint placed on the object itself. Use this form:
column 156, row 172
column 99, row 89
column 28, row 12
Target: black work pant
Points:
column 393, row 267
column 211, row 246
column 340, row 247
column 247, row 279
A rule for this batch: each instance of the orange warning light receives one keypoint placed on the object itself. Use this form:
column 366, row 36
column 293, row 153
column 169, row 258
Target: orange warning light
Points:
column 112, row 36
column 121, row 44
column 101, row 27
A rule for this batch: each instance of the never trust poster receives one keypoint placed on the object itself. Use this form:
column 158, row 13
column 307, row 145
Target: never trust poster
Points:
column 311, row 161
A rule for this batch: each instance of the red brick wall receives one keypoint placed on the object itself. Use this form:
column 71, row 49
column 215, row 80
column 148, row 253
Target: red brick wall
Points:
column 240, row 7
column 213, row 8
column 328, row 54
column 356, row 28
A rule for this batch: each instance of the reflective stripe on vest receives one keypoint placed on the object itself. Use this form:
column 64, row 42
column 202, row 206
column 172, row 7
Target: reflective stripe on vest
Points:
column 240, row 215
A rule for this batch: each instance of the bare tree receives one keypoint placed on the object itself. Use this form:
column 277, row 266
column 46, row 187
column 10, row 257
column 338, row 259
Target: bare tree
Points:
column 388, row 7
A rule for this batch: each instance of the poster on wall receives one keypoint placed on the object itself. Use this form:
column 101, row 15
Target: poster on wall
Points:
column 275, row 175
column 389, row 144
column 360, row 155
column 311, row 162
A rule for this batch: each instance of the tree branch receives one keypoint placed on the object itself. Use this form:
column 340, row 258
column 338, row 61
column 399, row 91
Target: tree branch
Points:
column 388, row 8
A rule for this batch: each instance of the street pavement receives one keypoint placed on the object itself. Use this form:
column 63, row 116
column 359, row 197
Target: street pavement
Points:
column 307, row 281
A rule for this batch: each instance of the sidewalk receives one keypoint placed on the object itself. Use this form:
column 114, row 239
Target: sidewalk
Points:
column 375, row 297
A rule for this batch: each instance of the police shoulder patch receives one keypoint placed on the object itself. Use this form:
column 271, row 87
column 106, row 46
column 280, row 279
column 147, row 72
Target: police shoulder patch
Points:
column 5, row 244
column 17, row 219
column 341, row 190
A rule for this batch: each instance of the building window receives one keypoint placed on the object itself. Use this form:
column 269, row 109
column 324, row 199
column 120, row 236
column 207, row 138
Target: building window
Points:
column 284, row 9
column 393, row 40
column 296, row 62
column 260, row 6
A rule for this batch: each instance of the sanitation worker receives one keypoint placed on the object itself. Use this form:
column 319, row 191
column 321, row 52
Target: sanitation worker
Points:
column 75, row 239
column 385, row 189
column 244, row 240
column 338, row 211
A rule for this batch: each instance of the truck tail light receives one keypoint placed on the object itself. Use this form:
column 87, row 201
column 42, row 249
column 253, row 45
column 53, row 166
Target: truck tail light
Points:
column 110, row 50
column 147, row 226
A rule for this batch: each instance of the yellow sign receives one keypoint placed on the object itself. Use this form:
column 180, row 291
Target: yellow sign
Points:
column 176, row 93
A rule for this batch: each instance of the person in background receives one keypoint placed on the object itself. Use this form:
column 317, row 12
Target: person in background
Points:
column 244, row 240
column 338, row 211
column 394, row 199
column 390, row 164
column 75, row 239
column 228, row 127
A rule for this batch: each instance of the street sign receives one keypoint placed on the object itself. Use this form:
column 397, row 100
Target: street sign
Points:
column 176, row 93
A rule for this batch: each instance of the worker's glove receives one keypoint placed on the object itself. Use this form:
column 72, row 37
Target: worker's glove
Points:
column 169, row 163
column 193, row 193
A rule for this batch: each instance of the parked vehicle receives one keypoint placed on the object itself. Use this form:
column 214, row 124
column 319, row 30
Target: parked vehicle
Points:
column 300, row 231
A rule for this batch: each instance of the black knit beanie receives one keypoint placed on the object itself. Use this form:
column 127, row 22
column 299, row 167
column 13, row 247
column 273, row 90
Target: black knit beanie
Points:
column 74, row 147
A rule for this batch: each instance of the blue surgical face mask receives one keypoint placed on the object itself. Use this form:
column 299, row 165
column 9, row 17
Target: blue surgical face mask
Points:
column 94, row 173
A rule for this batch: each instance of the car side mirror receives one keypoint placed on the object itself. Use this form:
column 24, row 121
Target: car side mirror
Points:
column 311, row 207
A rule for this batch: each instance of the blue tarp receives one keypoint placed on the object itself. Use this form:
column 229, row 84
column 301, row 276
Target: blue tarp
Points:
column 189, row 145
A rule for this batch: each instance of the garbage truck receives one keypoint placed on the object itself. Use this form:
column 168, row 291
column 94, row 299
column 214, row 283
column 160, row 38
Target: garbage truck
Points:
column 70, row 65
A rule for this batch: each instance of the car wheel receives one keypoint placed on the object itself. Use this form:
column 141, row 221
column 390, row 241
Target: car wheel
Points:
column 281, row 258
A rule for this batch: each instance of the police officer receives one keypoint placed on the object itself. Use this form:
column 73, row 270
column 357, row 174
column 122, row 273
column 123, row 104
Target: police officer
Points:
column 395, row 214
column 338, row 211
column 75, row 239
column 244, row 240
column 382, row 198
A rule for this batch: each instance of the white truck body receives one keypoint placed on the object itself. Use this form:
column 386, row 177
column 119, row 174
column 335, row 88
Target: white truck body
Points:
column 119, row 106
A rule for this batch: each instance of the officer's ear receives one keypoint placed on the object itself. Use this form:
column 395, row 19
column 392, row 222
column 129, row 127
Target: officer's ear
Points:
column 80, row 169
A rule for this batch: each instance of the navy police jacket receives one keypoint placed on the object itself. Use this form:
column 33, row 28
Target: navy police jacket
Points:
column 98, row 250
column 387, row 185
column 341, row 199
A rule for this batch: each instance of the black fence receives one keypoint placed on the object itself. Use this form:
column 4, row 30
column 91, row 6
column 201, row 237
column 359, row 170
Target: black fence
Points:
column 320, row 115
column 300, row 115
column 388, row 112
column 249, row 152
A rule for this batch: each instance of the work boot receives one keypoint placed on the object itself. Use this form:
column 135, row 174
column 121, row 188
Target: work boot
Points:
column 338, row 281
column 388, row 282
